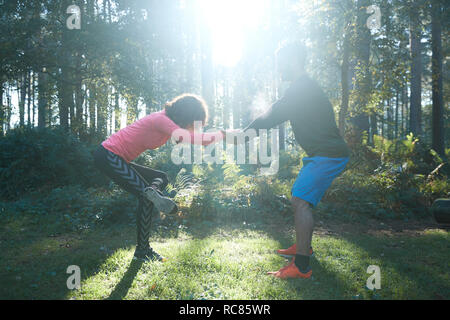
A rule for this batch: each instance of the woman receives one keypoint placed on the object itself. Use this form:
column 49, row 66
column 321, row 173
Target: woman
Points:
column 114, row 156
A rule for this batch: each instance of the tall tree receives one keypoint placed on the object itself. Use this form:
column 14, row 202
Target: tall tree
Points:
column 438, row 136
column 43, row 107
column 77, row 124
column 344, row 83
column 22, row 85
column 207, row 69
column 2, row 109
column 117, row 111
column 415, row 27
column 363, row 79
column 92, row 107
column 29, row 80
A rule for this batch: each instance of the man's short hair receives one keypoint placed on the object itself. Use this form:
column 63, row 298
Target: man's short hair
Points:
column 293, row 51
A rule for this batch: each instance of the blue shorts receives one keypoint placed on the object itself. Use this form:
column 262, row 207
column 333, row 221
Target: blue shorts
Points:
column 316, row 176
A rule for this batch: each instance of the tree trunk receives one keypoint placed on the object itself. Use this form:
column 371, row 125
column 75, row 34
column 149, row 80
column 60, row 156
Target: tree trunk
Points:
column 406, row 115
column 389, row 120
column 282, row 126
column 42, row 99
column 438, row 137
column 415, row 119
column 373, row 125
column 102, row 103
column 363, row 79
column 345, row 85
column 65, row 86
column 33, row 94
column 92, row 99
column 29, row 99
column 132, row 109
column 2, row 109
column 8, row 110
column 226, row 100
column 110, row 109
column 402, row 123
column 191, row 44
column 117, row 111
column 207, row 71
column 397, row 105
column 237, row 95
column 77, row 125
column 23, row 95
column 63, row 100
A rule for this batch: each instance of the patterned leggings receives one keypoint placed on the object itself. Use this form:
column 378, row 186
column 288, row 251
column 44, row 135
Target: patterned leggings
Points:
column 134, row 179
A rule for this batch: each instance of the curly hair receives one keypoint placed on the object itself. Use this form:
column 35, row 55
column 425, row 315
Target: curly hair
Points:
column 187, row 108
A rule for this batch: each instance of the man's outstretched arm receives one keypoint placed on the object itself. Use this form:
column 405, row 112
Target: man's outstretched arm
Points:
column 278, row 113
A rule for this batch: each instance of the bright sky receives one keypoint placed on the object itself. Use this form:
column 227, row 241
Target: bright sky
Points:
column 230, row 21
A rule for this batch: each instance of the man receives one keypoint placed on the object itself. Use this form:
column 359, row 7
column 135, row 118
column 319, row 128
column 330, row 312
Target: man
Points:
column 312, row 119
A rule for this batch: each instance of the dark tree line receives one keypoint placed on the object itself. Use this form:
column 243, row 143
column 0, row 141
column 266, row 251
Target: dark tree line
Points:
column 130, row 57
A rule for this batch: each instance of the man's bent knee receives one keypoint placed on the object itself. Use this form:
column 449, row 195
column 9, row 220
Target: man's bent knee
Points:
column 300, row 203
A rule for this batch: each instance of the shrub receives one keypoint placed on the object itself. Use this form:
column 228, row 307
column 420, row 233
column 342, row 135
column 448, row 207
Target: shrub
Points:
column 71, row 208
column 393, row 178
column 33, row 158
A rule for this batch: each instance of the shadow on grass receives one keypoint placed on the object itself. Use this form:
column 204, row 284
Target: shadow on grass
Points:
column 421, row 264
column 37, row 271
column 121, row 289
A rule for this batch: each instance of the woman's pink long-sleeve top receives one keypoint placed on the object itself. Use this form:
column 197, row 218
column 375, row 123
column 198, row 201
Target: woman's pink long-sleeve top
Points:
column 151, row 132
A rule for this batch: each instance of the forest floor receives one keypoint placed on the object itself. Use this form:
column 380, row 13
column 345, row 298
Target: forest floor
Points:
column 223, row 258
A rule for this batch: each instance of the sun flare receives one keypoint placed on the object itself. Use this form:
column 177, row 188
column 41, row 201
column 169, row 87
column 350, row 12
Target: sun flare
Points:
column 230, row 22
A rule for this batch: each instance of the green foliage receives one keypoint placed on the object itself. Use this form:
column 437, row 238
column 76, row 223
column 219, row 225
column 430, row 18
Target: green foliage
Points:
column 183, row 181
column 270, row 194
column 204, row 204
column 290, row 163
column 231, row 171
column 35, row 159
column 391, row 179
column 71, row 208
column 401, row 186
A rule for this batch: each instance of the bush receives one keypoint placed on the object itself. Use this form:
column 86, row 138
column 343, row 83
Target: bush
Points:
column 35, row 159
column 394, row 178
column 71, row 208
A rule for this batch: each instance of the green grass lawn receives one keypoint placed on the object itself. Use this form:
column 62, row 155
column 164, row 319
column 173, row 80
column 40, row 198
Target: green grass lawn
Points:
column 224, row 257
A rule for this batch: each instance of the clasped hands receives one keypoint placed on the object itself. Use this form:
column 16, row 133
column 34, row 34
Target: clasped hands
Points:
column 232, row 136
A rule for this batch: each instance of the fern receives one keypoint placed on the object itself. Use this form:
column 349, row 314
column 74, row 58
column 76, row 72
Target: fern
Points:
column 230, row 170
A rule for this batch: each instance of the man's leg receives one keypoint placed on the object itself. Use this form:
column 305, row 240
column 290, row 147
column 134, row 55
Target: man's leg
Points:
column 313, row 180
column 302, row 218
column 304, row 225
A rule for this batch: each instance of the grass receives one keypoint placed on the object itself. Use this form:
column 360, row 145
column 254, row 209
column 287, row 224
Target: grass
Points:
column 223, row 257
